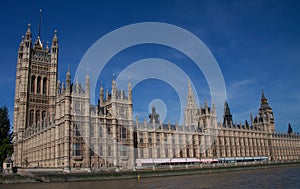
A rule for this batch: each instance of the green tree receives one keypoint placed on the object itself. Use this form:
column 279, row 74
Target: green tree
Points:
column 6, row 147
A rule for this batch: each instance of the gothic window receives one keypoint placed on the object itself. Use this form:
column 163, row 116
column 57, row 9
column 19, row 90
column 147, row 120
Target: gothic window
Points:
column 31, row 115
column 100, row 131
column 109, row 150
column 92, row 130
column 44, row 85
column 181, row 154
column 123, row 150
column 165, row 138
column 100, row 150
column 123, row 132
column 32, row 84
column 38, row 85
column 37, row 118
column 43, row 117
column 141, row 137
column 122, row 112
column 76, row 131
column 77, row 106
column 173, row 139
column 157, row 139
column 76, row 149
column 109, row 130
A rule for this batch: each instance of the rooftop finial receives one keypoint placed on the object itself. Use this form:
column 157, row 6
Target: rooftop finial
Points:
column 55, row 34
column 28, row 28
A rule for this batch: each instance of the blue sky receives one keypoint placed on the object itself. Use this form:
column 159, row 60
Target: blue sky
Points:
column 256, row 44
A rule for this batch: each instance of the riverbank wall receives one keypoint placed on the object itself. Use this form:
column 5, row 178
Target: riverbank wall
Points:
column 57, row 175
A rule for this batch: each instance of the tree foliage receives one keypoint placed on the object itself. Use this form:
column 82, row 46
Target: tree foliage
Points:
column 6, row 147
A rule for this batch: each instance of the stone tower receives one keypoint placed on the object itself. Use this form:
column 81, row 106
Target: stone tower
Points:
column 35, row 91
column 266, row 114
column 191, row 109
column 227, row 118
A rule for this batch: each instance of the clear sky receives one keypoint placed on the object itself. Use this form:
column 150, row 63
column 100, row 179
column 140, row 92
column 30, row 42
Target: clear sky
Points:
column 256, row 44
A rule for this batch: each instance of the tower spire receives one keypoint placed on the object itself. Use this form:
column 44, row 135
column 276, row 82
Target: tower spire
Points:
column 264, row 101
column 190, row 97
column 40, row 23
column 38, row 43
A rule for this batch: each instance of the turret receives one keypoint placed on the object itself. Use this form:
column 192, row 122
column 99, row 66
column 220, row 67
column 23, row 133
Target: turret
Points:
column 101, row 93
column 227, row 118
column 266, row 113
column 190, row 97
column 54, row 46
column 28, row 35
column 129, row 91
column 87, row 85
column 113, row 89
column 68, row 82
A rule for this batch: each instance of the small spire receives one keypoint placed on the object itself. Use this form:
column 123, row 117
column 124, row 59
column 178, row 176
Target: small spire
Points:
column 129, row 83
column 55, row 34
column 22, row 41
column 263, row 94
column 68, row 72
column 28, row 28
column 264, row 101
column 87, row 77
column 113, row 81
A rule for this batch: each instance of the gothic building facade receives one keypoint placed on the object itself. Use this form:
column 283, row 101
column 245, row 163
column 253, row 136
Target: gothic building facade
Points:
column 56, row 126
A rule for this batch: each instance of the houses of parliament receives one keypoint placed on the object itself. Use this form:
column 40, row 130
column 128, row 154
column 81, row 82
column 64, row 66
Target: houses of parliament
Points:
column 56, row 126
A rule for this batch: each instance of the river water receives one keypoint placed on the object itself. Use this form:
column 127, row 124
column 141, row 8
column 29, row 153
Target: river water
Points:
column 283, row 177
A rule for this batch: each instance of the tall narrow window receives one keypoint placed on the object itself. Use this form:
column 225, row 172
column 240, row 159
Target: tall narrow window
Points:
column 100, row 131
column 100, row 150
column 123, row 132
column 44, row 85
column 92, row 131
column 38, row 85
column 31, row 115
column 109, row 150
column 76, row 131
column 76, row 149
column 32, row 88
column 43, row 118
column 37, row 118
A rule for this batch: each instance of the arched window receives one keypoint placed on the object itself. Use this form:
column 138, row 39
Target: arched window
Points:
column 76, row 131
column 44, row 118
column 44, row 85
column 37, row 117
column 32, row 84
column 31, row 115
column 38, row 85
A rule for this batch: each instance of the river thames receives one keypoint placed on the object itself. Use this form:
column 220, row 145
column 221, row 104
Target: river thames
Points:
column 283, row 177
